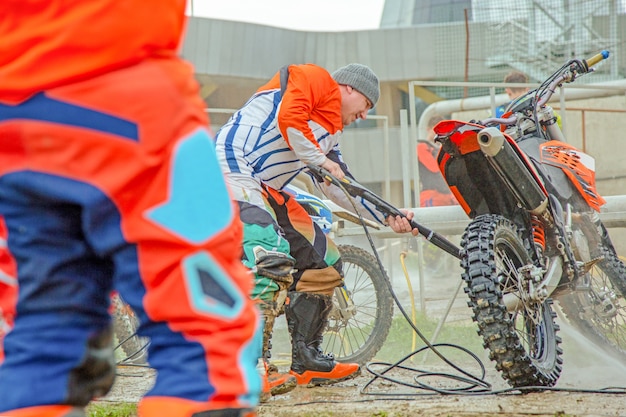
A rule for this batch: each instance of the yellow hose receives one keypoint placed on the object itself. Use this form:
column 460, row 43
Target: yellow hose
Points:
column 403, row 255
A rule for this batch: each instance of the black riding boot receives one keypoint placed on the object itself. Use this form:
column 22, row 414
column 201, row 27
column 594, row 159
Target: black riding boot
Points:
column 307, row 315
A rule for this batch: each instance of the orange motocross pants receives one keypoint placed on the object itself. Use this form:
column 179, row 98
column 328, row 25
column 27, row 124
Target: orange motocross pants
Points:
column 113, row 183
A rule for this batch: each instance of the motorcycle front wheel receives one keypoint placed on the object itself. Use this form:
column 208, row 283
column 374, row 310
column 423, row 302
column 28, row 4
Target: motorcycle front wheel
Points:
column 361, row 317
column 523, row 342
column 596, row 307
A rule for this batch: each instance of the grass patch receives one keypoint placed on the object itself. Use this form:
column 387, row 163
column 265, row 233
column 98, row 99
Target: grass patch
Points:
column 112, row 410
column 401, row 342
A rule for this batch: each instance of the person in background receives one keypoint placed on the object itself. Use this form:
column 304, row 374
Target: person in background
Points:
column 434, row 190
column 109, row 180
column 513, row 92
column 295, row 120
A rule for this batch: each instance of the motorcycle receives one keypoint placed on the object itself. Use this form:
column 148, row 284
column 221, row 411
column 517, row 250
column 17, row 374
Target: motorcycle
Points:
column 362, row 312
column 535, row 234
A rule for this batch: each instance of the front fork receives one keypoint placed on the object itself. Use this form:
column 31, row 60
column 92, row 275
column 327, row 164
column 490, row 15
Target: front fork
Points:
column 343, row 306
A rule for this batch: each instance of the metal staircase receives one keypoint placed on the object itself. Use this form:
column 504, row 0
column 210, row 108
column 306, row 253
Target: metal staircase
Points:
column 529, row 45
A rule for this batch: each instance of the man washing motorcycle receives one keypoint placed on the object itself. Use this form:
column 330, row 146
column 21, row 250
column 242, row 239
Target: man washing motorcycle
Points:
column 296, row 119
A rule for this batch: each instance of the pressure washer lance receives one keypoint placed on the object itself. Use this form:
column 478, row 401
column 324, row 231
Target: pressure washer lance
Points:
column 357, row 190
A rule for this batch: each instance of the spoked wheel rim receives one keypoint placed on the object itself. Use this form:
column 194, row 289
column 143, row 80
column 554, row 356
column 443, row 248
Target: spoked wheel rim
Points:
column 528, row 319
column 357, row 334
column 597, row 308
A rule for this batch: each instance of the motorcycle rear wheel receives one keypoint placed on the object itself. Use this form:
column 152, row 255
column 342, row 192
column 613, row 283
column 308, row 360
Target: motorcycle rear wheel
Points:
column 523, row 343
column 360, row 337
column 131, row 347
column 597, row 307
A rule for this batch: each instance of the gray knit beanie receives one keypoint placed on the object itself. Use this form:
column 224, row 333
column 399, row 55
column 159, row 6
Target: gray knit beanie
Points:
column 361, row 78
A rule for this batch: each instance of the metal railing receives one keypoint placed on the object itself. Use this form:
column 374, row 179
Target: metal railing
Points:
column 452, row 220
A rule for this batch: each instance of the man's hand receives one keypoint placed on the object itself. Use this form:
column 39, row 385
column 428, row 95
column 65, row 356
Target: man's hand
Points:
column 401, row 224
column 334, row 169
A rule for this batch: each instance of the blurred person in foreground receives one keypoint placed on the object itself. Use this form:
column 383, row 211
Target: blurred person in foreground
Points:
column 109, row 180
column 296, row 119
column 8, row 287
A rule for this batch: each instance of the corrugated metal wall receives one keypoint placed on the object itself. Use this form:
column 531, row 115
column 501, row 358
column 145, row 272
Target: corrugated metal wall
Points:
column 526, row 35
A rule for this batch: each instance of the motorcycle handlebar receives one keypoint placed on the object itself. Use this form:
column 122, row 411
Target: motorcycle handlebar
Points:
column 583, row 66
column 595, row 59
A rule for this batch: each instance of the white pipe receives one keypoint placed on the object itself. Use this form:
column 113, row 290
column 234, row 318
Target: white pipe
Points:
column 610, row 88
column 406, row 169
column 452, row 220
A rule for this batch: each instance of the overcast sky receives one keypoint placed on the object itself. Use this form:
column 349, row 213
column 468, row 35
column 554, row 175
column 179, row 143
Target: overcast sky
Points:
column 307, row 15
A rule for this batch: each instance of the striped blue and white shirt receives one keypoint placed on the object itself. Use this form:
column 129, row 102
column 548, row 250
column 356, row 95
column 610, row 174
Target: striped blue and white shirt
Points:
column 250, row 145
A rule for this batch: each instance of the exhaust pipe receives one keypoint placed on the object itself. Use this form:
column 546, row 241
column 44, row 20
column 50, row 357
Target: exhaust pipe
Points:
column 512, row 170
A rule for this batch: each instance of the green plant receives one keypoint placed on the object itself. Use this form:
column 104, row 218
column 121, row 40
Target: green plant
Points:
column 112, row 410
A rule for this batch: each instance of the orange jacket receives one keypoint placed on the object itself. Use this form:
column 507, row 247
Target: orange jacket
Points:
column 311, row 94
column 431, row 179
column 48, row 43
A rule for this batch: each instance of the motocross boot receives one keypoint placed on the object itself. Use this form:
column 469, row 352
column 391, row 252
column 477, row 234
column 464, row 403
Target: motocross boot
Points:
column 47, row 411
column 274, row 382
column 280, row 383
column 178, row 407
column 307, row 316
